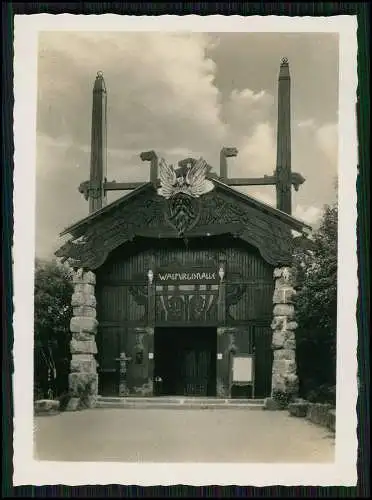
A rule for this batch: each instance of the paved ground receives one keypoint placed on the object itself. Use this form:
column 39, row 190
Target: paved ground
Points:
column 154, row 435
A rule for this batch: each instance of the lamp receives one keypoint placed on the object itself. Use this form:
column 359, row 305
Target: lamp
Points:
column 150, row 276
column 221, row 273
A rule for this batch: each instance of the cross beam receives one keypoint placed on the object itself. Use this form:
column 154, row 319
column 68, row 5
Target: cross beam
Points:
column 266, row 180
column 89, row 188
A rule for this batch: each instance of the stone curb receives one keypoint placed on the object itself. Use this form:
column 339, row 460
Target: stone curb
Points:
column 46, row 407
column 317, row 413
column 175, row 406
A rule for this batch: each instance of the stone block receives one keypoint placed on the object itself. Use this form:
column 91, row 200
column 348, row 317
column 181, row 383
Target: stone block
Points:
column 284, row 366
column 277, row 382
column 81, row 299
column 84, row 288
column 46, row 407
column 87, row 277
column 287, row 310
column 83, row 324
column 82, row 336
column 290, row 335
column 320, row 414
column 283, row 275
column 279, row 296
column 279, row 323
column 291, row 383
column 278, row 272
column 288, row 354
column 278, row 339
column 83, row 346
column 86, row 311
column 83, row 363
column 271, row 405
column 291, row 325
column 91, row 401
column 289, row 344
column 73, row 404
column 83, row 383
column 283, row 295
column 298, row 409
column 290, row 295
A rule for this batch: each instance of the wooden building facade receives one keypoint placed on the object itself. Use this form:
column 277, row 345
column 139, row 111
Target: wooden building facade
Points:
column 183, row 288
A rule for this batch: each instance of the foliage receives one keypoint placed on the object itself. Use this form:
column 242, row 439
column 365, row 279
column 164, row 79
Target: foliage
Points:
column 64, row 399
column 52, row 313
column 316, row 309
column 282, row 398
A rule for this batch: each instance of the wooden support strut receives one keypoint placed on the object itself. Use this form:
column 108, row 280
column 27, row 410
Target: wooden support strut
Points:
column 296, row 179
column 283, row 179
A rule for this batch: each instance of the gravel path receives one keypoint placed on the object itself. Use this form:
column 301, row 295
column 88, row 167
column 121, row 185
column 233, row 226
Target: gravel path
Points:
column 173, row 435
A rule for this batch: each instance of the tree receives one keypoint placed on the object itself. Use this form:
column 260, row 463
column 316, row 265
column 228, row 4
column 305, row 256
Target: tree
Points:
column 52, row 313
column 316, row 309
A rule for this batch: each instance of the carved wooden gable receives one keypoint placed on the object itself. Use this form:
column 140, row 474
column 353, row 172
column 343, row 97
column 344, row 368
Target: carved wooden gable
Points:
column 146, row 214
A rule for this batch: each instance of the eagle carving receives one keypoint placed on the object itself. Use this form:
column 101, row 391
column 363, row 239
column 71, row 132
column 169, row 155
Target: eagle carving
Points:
column 189, row 180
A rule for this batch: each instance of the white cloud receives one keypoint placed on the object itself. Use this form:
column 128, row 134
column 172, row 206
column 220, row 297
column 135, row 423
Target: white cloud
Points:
column 310, row 214
column 162, row 95
column 310, row 123
column 327, row 140
column 257, row 153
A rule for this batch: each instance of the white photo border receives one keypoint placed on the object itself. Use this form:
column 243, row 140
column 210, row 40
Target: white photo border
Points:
column 27, row 470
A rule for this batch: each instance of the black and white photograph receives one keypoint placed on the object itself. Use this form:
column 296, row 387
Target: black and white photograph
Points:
column 185, row 194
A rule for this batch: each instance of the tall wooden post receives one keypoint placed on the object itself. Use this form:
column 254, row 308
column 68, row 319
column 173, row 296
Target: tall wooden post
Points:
column 98, row 160
column 283, row 158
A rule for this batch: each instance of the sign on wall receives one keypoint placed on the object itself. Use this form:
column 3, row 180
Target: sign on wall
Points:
column 182, row 276
column 243, row 369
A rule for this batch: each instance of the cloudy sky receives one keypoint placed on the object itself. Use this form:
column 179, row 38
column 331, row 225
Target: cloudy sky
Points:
column 182, row 95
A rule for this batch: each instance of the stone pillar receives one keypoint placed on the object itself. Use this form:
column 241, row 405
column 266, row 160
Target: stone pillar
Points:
column 83, row 378
column 284, row 371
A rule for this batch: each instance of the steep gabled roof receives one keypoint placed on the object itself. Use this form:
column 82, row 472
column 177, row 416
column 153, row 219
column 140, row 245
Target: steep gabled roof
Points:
column 292, row 222
column 144, row 214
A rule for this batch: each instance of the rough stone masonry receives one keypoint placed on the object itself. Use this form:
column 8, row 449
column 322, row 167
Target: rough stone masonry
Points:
column 284, row 371
column 83, row 378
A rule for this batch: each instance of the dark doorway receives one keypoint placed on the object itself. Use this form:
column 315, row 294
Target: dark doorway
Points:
column 185, row 361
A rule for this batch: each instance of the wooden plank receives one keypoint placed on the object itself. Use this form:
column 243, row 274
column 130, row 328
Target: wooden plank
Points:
column 121, row 186
column 266, row 180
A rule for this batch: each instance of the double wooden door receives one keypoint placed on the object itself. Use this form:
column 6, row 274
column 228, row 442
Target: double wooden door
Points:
column 185, row 360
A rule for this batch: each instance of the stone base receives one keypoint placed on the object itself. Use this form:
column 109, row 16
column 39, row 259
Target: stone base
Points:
column 271, row 404
column 73, row 404
column 298, row 409
column 84, row 390
column 322, row 414
column 46, row 407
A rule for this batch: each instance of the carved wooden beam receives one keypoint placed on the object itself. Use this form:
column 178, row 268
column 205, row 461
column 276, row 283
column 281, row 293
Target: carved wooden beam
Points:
column 121, row 186
column 266, row 180
column 152, row 157
column 224, row 154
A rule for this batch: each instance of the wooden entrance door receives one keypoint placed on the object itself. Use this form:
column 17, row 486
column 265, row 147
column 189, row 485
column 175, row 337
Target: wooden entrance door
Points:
column 197, row 379
column 185, row 359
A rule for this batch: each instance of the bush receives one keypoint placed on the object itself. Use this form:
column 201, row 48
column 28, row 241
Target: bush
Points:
column 282, row 398
column 325, row 394
column 316, row 310
column 53, row 290
column 64, row 399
